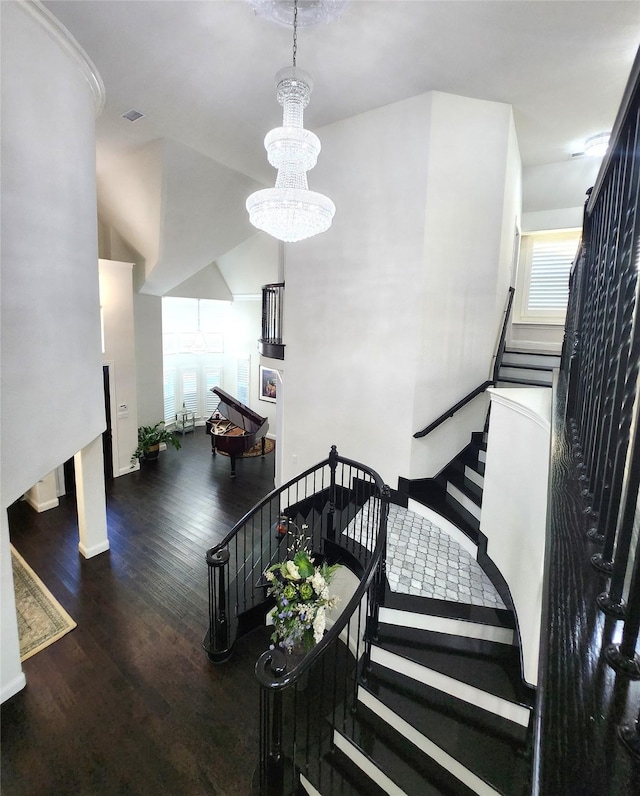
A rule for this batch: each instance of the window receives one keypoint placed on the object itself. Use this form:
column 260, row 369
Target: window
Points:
column 169, row 388
column 190, row 390
column 543, row 279
column 244, row 366
column 212, row 378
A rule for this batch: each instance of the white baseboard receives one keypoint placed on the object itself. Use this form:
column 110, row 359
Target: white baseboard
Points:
column 45, row 506
column 12, row 688
column 94, row 550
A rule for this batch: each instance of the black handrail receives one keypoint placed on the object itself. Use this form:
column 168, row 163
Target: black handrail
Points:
column 450, row 412
column 482, row 387
column 503, row 335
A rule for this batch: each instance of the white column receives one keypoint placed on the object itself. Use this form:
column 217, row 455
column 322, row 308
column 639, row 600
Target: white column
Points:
column 44, row 495
column 90, row 496
column 12, row 677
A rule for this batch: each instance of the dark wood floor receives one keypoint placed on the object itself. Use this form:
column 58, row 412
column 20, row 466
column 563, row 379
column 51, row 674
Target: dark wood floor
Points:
column 128, row 703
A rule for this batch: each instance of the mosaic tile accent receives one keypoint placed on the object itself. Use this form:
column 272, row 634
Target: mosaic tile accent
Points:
column 425, row 561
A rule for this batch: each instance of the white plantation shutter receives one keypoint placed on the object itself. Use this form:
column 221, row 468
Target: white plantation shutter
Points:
column 190, row 390
column 169, row 391
column 243, row 380
column 551, row 261
column 212, row 378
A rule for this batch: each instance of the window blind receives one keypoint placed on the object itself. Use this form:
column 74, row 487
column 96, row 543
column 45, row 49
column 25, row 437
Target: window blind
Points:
column 551, row 262
column 243, row 380
column 169, row 390
column 190, row 390
column 212, row 378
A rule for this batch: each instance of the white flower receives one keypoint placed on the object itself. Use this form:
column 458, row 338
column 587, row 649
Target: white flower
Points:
column 319, row 624
column 269, row 576
column 318, row 582
column 292, row 572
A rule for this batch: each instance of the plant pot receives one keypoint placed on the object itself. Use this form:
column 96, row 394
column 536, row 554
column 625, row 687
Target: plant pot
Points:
column 152, row 453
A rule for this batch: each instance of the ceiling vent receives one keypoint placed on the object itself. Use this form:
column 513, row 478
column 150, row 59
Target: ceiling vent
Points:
column 133, row 115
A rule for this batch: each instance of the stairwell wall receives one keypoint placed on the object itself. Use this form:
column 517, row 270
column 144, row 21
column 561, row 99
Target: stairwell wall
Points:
column 393, row 314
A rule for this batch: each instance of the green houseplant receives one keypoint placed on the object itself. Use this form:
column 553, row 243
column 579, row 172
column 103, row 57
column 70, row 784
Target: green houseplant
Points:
column 149, row 439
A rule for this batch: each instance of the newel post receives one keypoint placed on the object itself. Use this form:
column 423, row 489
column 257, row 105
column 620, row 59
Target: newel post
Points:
column 217, row 640
column 333, row 464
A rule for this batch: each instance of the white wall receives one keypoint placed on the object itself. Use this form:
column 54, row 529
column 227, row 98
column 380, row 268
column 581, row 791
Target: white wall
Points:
column 148, row 354
column 392, row 314
column 116, row 300
column 473, row 208
column 51, row 392
column 514, row 504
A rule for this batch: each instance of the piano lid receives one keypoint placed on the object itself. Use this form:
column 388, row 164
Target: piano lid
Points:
column 237, row 412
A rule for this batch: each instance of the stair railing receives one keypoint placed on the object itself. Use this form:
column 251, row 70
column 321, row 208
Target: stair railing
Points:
column 341, row 507
column 482, row 387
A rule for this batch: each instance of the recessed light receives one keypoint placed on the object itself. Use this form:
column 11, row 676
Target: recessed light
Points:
column 597, row 145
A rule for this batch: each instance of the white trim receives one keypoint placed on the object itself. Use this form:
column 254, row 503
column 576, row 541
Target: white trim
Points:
column 444, row 525
column 70, row 46
column 366, row 765
column 447, row 625
column 533, row 403
column 474, row 476
column 464, row 501
column 12, row 688
column 449, row 685
column 96, row 549
column 432, row 750
column 44, row 506
column 308, row 786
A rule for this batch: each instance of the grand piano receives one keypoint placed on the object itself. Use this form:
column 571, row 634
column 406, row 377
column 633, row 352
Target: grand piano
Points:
column 234, row 428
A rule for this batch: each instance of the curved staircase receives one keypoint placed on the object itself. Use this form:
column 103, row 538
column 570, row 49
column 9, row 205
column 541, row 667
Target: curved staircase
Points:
column 442, row 708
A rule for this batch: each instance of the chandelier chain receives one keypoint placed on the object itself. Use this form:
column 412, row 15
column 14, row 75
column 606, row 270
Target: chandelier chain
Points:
column 295, row 30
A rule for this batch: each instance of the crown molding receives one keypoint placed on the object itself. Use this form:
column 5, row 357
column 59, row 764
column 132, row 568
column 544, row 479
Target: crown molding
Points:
column 57, row 31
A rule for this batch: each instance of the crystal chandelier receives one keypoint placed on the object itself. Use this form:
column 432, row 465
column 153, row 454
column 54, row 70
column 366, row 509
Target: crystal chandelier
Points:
column 290, row 211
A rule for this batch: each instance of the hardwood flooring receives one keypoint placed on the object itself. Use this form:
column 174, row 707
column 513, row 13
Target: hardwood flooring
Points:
column 128, row 702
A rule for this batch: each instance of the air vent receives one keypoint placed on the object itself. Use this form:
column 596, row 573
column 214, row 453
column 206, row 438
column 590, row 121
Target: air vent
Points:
column 133, row 115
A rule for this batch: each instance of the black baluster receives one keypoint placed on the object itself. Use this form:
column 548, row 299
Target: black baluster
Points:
column 217, row 642
column 630, row 736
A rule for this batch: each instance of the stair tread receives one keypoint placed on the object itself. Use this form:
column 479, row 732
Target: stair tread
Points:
column 467, row 713
column 407, row 766
column 456, row 477
column 484, row 615
column 487, row 748
column 432, row 639
column 501, row 678
column 335, row 774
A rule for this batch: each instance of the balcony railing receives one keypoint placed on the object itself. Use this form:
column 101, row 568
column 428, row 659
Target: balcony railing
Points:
column 270, row 343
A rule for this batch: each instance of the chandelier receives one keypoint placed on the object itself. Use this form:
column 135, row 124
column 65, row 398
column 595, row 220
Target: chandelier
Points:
column 290, row 211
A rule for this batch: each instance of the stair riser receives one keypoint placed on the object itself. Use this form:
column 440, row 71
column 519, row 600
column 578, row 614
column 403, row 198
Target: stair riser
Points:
column 474, row 476
column 545, row 376
column 467, row 693
column 464, row 501
column 522, row 360
column 366, row 765
column 451, row 627
column 425, row 745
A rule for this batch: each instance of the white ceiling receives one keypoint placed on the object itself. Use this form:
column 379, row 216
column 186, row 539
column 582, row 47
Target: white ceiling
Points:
column 203, row 72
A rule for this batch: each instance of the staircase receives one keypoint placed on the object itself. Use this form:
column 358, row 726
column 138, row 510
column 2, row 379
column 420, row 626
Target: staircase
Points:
column 442, row 708
column 527, row 368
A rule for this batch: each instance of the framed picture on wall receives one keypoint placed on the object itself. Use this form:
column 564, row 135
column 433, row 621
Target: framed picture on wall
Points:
column 268, row 384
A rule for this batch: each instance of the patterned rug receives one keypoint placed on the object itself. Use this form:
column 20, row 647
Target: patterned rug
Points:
column 269, row 445
column 41, row 618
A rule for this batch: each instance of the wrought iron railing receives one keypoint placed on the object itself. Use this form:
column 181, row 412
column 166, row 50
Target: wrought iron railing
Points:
column 304, row 701
column 601, row 358
column 270, row 342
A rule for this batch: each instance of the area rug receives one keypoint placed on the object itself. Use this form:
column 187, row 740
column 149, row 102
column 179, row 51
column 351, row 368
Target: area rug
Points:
column 269, row 445
column 41, row 618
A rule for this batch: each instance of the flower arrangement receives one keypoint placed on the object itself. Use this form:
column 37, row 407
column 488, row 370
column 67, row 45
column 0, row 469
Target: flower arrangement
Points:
column 301, row 592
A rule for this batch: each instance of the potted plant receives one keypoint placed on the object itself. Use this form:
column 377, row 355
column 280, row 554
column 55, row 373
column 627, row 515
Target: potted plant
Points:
column 149, row 439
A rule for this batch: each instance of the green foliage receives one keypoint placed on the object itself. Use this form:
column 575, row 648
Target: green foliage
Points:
column 301, row 592
column 149, row 436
